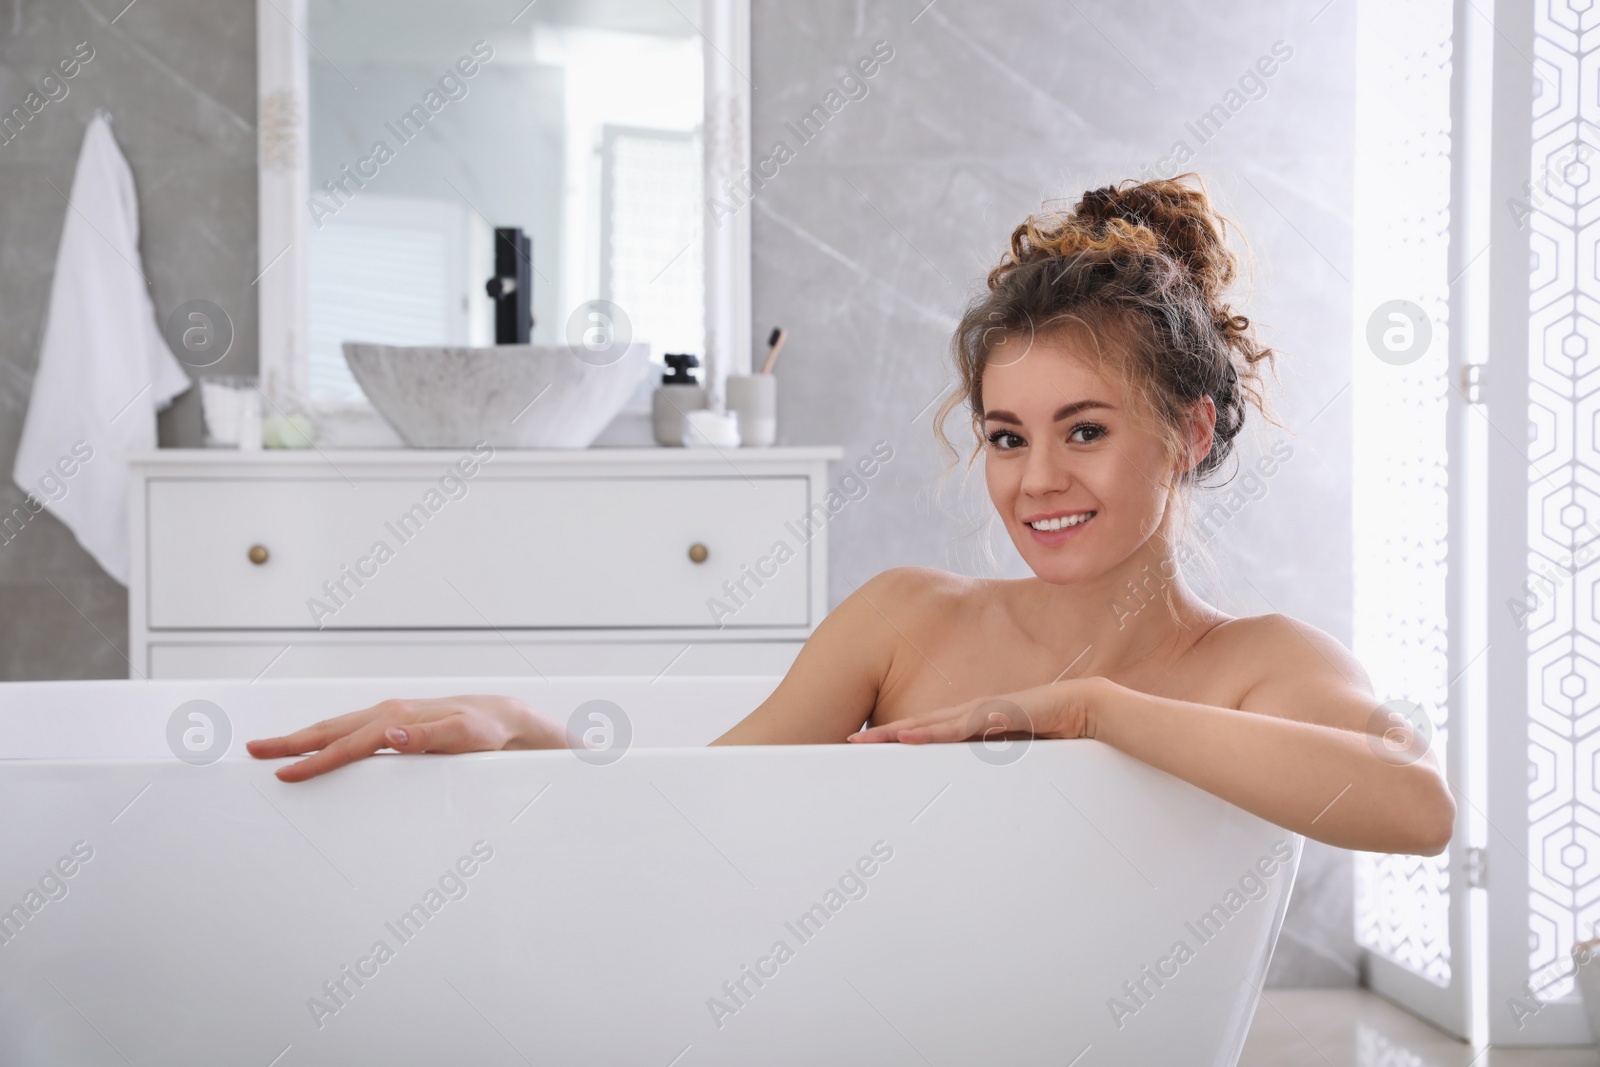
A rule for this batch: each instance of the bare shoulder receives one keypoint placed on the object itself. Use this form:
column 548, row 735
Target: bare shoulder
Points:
column 919, row 592
column 834, row 684
column 1275, row 647
column 920, row 581
column 1286, row 667
column 901, row 602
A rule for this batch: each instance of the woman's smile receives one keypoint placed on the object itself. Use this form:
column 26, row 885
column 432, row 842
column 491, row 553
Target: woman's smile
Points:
column 1058, row 527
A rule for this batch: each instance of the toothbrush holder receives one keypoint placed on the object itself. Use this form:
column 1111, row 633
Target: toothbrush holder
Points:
column 755, row 398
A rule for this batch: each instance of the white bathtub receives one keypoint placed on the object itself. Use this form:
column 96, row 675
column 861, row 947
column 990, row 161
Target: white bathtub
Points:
column 961, row 911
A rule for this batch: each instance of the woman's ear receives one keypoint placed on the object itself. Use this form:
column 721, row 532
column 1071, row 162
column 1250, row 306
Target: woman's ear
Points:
column 1201, row 427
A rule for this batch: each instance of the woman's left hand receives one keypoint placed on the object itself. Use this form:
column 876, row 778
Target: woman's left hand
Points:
column 1059, row 709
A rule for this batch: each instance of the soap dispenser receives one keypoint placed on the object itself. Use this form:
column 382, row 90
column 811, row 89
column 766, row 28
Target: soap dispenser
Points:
column 677, row 395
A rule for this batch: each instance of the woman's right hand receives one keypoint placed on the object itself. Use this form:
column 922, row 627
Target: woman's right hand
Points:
column 444, row 724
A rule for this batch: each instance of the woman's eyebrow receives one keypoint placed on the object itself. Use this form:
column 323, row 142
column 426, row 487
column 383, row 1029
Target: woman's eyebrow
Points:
column 1066, row 411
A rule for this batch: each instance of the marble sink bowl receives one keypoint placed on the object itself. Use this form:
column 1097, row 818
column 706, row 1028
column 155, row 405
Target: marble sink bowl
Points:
column 512, row 396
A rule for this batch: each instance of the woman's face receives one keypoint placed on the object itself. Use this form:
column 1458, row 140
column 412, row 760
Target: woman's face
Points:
column 1064, row 448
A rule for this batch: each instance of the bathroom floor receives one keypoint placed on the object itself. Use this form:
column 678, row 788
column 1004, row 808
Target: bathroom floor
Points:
column 1356, row 1028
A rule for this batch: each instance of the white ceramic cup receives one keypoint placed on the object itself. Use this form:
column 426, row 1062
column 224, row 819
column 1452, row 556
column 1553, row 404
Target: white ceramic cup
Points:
column 755, row 398
column 711, row 429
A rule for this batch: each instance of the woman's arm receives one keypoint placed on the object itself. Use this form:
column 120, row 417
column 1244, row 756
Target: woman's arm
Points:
column 832, row 687
column 1308, row 749
column 1326, row 782
column 828, row 693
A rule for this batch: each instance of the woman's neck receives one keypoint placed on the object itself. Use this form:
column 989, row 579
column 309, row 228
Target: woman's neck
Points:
column 1140, row 609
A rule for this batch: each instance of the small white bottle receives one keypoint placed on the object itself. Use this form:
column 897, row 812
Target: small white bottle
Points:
column 677, row 395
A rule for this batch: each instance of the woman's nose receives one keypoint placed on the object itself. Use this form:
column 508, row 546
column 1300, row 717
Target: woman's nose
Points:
column 1046, row 471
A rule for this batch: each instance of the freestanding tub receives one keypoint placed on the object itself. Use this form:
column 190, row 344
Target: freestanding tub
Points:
column 1053, row 903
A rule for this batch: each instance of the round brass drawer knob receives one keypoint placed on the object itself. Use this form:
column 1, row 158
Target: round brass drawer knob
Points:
column 698, row 552
column 258, row 554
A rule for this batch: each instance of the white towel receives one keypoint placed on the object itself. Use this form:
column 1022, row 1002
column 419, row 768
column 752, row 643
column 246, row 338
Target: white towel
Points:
column 104, row 368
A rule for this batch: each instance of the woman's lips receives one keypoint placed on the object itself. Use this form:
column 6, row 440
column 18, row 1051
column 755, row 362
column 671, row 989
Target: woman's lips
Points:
column 1061, row 536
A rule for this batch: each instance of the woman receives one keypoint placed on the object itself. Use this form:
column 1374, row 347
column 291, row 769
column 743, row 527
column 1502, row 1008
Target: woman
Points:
column 1106, row 375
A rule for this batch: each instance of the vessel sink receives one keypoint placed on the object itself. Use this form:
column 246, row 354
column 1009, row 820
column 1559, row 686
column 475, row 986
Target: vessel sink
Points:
column 511, row 396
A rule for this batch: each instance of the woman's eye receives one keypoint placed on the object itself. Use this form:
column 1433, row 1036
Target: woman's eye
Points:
column 1085, row 432
column 1010, row 440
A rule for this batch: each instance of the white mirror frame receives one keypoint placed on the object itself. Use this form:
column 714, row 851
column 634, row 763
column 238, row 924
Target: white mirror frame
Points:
column 283, row 122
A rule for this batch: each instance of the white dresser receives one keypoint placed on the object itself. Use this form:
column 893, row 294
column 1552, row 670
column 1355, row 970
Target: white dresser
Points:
column 496, row 562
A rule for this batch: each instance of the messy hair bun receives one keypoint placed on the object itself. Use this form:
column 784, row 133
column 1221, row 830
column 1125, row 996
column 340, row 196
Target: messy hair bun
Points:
column 1145, row 267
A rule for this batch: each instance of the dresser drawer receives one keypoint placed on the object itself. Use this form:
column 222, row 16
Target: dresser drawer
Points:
column 391, row 553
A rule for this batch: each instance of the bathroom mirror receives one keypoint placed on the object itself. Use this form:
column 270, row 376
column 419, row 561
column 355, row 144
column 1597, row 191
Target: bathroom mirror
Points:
column 405, row 142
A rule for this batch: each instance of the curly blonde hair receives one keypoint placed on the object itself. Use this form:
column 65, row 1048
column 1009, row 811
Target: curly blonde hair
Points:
column 1146, row 268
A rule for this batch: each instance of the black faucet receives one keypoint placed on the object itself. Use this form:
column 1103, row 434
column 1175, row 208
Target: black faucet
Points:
column 511, row 288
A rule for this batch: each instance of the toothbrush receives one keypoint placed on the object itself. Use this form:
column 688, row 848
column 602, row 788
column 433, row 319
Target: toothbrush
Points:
column 774, row 344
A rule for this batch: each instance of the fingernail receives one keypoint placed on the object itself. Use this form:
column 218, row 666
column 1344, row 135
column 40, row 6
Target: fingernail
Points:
column 396, row 735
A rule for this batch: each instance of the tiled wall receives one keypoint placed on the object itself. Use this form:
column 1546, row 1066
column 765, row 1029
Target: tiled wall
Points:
column 868, row 241
column 179, row 80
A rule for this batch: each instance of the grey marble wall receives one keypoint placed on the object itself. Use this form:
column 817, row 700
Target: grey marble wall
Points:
column 871, row 238
column 866, row 246
column 180, row 83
